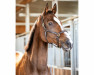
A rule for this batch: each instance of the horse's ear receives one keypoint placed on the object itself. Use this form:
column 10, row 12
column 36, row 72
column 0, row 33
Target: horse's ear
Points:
column 46, row 6
column 54, row 8
column 45, row 10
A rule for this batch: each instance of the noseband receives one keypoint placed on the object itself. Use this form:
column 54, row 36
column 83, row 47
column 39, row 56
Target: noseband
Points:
column 57, row 34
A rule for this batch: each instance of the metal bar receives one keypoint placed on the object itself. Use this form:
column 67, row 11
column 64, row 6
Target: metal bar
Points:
column 67, row 29
column 60, row 58
column 77, row 69
column 23, row 34
column 63, row 59
column 72, row 51
column 76, row 43
column 71, row 18
column 66, row 15
column 54, row 59
column 65, row 25
column 20, row 5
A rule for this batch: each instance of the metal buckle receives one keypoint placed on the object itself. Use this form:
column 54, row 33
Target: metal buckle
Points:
column 58, row 35
column 43, row 24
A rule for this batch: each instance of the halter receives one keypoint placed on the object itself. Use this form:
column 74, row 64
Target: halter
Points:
column 57, row 34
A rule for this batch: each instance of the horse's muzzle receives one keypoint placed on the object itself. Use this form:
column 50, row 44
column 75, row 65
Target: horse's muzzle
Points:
column 67, row 45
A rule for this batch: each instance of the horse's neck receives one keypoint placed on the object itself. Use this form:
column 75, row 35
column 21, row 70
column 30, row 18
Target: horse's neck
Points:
column 39, row 52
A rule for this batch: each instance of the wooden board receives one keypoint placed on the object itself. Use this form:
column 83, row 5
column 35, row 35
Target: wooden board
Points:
column 21, row 29
column 60, row 71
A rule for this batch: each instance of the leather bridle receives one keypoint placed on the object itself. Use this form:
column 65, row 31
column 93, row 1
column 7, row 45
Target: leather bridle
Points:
column 57, row 34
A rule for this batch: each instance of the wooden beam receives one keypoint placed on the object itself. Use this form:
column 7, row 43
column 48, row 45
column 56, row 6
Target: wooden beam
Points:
column 23, row 2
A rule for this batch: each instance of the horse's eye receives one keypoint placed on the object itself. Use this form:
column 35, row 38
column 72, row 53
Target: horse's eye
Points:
column 50, row 23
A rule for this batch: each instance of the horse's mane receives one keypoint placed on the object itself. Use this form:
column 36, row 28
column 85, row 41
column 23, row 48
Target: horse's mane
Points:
column 31, row 36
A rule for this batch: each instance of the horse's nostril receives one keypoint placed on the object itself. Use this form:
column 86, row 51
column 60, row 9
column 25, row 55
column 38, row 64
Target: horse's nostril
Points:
column 68, row 43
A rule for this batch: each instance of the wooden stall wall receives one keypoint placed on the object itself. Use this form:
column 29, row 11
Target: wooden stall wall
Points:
column 60, row 71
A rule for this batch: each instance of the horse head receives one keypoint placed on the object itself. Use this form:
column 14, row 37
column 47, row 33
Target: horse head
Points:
column 51, row 30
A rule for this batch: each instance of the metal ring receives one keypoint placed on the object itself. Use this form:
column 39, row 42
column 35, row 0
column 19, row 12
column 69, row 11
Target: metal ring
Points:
column 58, row 35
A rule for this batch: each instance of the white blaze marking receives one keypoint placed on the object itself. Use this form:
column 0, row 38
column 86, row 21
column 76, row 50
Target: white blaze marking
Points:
column 58, row 22
column 67, row 35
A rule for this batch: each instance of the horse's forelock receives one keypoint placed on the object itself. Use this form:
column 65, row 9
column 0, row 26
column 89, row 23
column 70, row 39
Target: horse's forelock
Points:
column 49, row 12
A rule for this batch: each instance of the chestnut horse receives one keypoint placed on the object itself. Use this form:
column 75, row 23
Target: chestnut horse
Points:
column 46, row 30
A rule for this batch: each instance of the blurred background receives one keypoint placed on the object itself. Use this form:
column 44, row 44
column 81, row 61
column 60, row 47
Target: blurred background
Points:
column 27, row 12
